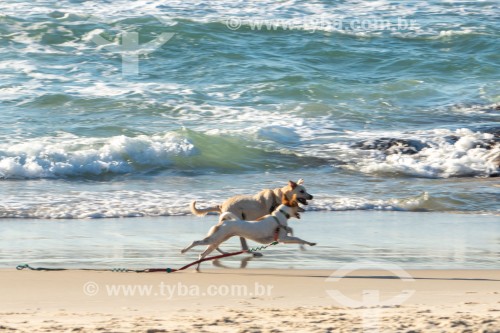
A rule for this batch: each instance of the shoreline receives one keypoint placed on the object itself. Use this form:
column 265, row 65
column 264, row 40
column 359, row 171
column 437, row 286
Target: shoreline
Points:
column 250, row 300
column 409, row 240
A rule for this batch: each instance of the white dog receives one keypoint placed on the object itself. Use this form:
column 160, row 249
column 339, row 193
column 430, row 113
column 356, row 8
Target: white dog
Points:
column 265, row 230
column 247, row 207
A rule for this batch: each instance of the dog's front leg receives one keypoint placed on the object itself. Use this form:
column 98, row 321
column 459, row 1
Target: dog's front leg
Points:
column 290, row 232
column 244, row 245
column 293, row 240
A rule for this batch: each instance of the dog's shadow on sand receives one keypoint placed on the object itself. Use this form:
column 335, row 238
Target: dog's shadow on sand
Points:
column 243, row 263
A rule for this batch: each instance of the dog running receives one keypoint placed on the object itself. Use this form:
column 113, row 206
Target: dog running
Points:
column 247, row 207
column 264, row 230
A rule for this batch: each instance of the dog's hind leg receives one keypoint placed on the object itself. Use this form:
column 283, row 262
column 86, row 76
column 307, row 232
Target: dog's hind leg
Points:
column 210, row 239
column 207, row 251
column 195, row 243
column 213, row 235
column 220, row 251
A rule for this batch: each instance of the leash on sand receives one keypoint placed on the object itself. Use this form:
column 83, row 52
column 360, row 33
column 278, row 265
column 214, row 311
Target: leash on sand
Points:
column 152, row 270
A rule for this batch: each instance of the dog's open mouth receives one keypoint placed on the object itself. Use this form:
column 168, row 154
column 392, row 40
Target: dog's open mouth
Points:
column 302, row 201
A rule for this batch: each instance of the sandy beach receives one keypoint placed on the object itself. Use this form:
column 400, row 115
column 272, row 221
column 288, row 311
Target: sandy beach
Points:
column 388, row 272
column 252, row 300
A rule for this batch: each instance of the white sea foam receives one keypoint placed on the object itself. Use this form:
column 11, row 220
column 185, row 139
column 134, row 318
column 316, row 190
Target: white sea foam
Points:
column 477, row 109
column 328, row 203
column 443, row 157
column 269, row 124
column 72, row 156
column 81, row 205
column 19, row 92
column 122, row 203
column 22, row 66
column 51, row 77
column 123, row 87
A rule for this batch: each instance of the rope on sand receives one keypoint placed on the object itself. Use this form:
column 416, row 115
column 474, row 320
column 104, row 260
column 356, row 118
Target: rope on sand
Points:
column 152, row 270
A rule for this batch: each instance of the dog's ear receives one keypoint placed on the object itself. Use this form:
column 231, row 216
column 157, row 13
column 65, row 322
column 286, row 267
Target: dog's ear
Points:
column 300, row 181
column 292, row 184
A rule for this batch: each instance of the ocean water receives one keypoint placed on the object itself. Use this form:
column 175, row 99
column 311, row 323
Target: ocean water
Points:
column 378, row 105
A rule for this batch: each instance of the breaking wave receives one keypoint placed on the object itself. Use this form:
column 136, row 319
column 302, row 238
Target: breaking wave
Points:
column 69, row 156
column 118, row 204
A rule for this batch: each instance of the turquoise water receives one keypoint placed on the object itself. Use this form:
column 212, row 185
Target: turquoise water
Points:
column 246, row 95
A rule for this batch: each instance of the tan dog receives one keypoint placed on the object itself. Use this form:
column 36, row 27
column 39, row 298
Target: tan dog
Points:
column 265, row 230
column 247, row 207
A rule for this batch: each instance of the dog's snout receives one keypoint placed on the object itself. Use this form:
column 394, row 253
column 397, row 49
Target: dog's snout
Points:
column 310, row 197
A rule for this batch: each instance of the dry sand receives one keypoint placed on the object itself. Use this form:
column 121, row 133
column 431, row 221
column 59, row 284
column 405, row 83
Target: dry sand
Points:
column 250, row 301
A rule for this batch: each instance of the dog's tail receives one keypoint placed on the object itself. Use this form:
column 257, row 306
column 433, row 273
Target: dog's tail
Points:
column 203, row 211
